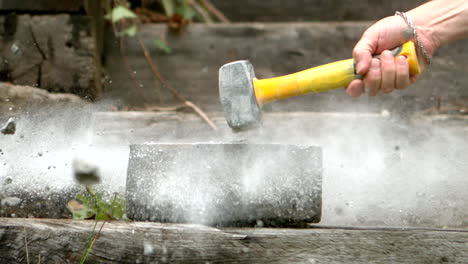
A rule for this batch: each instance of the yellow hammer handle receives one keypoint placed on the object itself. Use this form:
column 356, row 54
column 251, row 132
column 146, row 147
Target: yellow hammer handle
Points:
column 322, row 78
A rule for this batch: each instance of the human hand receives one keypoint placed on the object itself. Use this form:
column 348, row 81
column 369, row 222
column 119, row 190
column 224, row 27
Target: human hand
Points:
column 387, row 73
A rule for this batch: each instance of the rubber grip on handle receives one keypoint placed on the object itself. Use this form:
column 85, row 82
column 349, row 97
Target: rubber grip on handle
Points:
column 322, row 78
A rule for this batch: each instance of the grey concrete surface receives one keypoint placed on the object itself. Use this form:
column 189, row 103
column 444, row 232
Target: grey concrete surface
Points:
column 274, row 49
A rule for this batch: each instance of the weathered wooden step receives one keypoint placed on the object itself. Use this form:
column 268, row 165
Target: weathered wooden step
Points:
column 274, row 49
column 62, row 241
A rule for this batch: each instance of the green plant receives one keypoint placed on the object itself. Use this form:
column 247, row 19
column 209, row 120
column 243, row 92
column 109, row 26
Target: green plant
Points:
column 183, row 8
column 92, row 205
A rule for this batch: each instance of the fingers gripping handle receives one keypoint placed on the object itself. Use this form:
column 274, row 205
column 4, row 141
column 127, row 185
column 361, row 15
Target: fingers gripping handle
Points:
column 322, row 78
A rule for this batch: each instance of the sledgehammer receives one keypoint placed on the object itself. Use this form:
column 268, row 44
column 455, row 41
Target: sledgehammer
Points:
column 242, row 95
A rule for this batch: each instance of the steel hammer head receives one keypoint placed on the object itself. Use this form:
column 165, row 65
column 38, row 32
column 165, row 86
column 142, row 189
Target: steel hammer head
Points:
column 236, row 91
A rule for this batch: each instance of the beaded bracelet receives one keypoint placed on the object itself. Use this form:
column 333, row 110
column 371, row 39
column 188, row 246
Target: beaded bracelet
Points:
column 410, row 23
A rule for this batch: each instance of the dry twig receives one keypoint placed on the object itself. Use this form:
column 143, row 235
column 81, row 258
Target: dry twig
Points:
column 154, row 68
column 127, row 64
column 206, row 16
column 166, row 109
column 215, row 11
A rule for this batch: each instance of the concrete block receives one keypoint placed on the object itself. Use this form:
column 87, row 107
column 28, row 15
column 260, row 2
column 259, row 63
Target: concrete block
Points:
column 225, row 184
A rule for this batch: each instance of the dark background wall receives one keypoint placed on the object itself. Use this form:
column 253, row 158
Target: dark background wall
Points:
column 41, row 5
column 257, row 10
column 312, row 10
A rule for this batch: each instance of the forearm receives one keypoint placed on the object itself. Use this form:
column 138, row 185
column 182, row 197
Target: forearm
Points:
column 441, row 21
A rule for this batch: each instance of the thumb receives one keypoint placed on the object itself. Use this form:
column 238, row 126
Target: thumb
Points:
column 363, row 51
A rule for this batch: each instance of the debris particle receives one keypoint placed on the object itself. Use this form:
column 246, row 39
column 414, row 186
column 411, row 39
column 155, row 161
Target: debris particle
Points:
column 10, row 201
column 147, row 249
column 14, row 48
column 385, row 113
column 260, row 224
column 39, row 154
column 10, row 127
column 85, row 173
column 8, row 180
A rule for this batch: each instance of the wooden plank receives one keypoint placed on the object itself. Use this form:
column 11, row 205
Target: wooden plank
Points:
column 41, row 5
column 63, row 241
column 274, row 49
column 312, row 10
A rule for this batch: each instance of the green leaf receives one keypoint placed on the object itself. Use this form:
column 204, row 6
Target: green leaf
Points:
column 120, row 12
column 160, row 44
column 186, row 12
column 168, row 7
column 130, row 31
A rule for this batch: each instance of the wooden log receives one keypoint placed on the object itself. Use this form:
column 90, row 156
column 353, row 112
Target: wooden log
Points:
column 312, row 10
column 63, row 241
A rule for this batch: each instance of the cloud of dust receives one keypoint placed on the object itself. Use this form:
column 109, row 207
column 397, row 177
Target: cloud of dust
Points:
column 38, row 158
column 384, row 170
column 378, row 169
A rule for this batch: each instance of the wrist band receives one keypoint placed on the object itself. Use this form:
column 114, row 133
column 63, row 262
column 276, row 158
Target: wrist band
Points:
column 410, row 23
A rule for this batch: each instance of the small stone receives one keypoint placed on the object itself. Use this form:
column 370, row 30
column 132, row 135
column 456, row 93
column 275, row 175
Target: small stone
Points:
column 14, row 48
column 10, row 127
column 8, row 180
column 85, row 173
column 10, row 201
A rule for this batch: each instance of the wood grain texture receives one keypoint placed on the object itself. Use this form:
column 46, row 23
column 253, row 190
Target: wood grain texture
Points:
column 62, row 241
column 312, row 10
